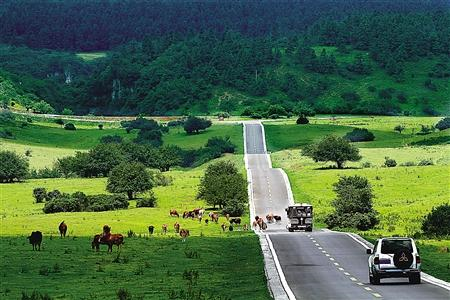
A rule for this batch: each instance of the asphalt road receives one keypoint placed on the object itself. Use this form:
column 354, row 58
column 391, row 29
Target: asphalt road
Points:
column 320, row 264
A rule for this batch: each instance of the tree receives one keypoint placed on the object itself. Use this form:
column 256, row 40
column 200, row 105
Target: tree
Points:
column 129, row 178
column 67, row 111
column 353, row 204
column 332, row 148
column 70, row 126
column 39, row 194
column 194, row 124
column 167, row 157
column 359, row 135
column 221, row 184
column 304, row 110
column 443, row 124
column 437, row 222
column 100, row 126
column 12, row 166
column 43, row 108
column 59, row 121
column 399, row 128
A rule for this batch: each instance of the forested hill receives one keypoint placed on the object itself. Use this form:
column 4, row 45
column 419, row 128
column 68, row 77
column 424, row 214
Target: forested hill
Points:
column 87, row 25
column 365, row 57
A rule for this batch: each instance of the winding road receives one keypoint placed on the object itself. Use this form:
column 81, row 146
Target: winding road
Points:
column 321, row 264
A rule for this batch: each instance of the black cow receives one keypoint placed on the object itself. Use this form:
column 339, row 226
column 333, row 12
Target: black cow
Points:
column 151, row 228
column 36, row 239
column 236, row 221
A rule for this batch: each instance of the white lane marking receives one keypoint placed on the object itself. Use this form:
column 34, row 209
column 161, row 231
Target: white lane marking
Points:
column 323, row 251
column 320, row 248
column 377, row 295
column 347, row 273
column 327, row 255
column 360, row 283
column 314, row 241
column 336, row 264
column 341, row 269
column 317, row 244
column 353, row 279
column 280, row 270
column 367, row 288
column 332, row 259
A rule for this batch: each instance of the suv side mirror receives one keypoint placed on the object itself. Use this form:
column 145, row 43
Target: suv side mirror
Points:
column 369, row 251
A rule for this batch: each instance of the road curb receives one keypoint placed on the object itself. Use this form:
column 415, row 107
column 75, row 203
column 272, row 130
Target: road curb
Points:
column 425, row 277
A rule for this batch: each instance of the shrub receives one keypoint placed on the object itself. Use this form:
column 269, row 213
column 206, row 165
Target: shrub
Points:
column 67, row 111
column 100, row 126
column 147, row 202
column 366, row 164
column 39, row 194
column 6, row 134
column 247, row 112
column 175, row 123
column 399, row 128
column 107, row 139
column 70, row 126
column 302, row 120
column 408, row 164
column 59, row 121
column 45, row 172
column 123, row 294
column 234, row 208
column 389, row 162
column 437, row 222
column 194, row 124
column 424, row 129
column 256, row 116
column 80, row 202
column 274, row 116
column 159, row 179
column 443, row 124
column 425, row 162
column 223, row 144
column 359, row 135
column 12, row 166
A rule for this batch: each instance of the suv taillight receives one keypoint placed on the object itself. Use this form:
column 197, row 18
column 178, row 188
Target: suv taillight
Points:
column 376, row 260
column 417, row 259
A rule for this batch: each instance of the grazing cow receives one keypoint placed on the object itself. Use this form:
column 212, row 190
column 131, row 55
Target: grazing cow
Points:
column 200, row 213
column 236, row 221
column 176, row 226
column 36, row 239
column 188, row 214
column 269, row 218
column 277, row 219
column 184, row 233
column 164, row 228
column 151, row 228
column 224, row 227
column 174, row 213
column 245, row 228
column 108, row 239
column 62, row 229
column 214, row 217
column 196, row 211
column 206, row 221
column 230, row 228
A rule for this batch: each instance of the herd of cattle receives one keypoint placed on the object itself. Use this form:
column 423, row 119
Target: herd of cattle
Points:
column 110, row 239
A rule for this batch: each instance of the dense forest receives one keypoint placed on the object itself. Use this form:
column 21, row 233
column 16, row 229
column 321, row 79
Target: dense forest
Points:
column 178, row 57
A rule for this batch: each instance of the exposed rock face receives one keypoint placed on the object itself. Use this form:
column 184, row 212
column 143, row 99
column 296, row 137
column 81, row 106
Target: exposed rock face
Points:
column 116, row 90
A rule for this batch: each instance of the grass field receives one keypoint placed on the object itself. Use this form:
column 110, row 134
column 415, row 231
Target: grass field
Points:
column 70, row 269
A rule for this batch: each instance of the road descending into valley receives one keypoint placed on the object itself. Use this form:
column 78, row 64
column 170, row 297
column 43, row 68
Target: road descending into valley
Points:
column 321, row 264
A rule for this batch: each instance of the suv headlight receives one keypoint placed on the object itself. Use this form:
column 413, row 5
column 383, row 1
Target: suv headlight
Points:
column 308, row 221
column 293, row 221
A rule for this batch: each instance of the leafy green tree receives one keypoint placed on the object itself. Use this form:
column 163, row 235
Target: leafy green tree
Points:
column 437, row 222
column 12, row 166
column 39, row 194
column 43, row 108
column 69, row 126
column 129, row 178
column 67, row 111
column 151, row 137
column 353, row 204
column 303, row 110
column 194, row 124
column 168, row 156
column 332, row 148
column 359, row 135
column 221, row 184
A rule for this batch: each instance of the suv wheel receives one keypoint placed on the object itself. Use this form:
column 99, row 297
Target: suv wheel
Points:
column 291, row 229
column 374, row 279
column 308, row 229
column 415, row 278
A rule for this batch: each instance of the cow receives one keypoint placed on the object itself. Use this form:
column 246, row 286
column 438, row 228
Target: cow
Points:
column 36, row 239
column 108, row 239
column 184, row 233
column 245, row 228
column 214, row 217
column 224, row 227
column 227, row 216
column 174, row 213
column 269, row 218
column 188, row 214
column 62, row 229
column 236, row 221
column 176, row 226
column 151, row 228
column 164, row 228
column 277, row 219
column 206, row 221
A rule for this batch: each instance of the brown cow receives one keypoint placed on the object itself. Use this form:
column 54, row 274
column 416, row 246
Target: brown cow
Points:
column 184, row 233
column 62, row 229
column 108, row 239
column 176, row 226
column 214, row 217
column 35, row 240
column 269, row 218
column 245, row 228
column 164, row 228
column 174, row 213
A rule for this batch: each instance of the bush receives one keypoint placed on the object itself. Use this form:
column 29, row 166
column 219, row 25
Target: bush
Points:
column 78, row 202
column 175, row 123
column 100, row 126
column 274, row 116
column 234, row 208
column 399, row 128
column 389, row 162
column 194, row 124
column 39, row 194
column 223, row 144
column 443, row 124
column 67, row 111
column 408, row 164
column 366, row 164
column 437, row 222
column 425, row 129
column 359, row 135
column 425, row 162
column 356, row 220
column 12, row 166
column 45, row 172
column 107, row 139
column 70, row 126
column 59, row 121
column 147, row 202
column 256, row 116
column 302, row 120
column 6, row 134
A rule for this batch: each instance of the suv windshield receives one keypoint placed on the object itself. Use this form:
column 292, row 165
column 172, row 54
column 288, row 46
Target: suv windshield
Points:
column 300, row 211
column 393, row 246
